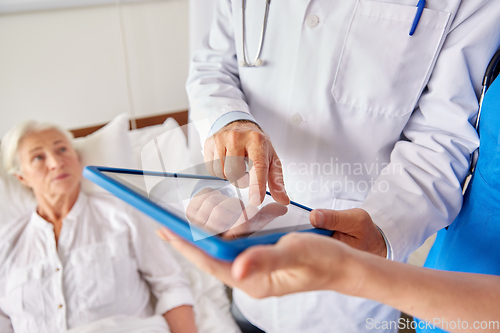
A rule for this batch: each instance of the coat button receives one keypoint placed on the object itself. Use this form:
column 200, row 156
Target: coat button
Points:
column 312, row 21
column 60, row 306
column 296, row 119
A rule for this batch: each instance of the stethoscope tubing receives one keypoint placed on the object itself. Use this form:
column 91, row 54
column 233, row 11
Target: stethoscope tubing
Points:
column 257, row 62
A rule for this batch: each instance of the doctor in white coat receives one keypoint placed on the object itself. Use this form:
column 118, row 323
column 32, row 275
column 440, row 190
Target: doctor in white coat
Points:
column 355, row 113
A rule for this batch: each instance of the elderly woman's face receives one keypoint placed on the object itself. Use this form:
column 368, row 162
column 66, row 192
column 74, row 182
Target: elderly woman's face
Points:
column 49, row 163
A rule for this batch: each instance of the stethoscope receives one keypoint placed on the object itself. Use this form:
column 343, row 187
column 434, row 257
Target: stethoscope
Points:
column 258, row 61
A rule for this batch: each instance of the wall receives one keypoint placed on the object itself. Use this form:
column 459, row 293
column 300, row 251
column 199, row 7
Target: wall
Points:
column 69, row 66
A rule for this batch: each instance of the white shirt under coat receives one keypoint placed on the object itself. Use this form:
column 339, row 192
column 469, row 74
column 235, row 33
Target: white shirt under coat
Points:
column 344, row 84
column 105, row 264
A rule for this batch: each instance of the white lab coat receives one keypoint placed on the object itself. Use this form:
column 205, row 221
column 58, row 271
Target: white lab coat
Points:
column 361, row 114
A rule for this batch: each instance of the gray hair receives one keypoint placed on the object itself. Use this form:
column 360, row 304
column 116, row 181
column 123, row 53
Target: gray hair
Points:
column 12, row 139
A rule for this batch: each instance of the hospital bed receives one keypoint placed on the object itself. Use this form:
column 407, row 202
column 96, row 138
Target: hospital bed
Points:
column 115, row 145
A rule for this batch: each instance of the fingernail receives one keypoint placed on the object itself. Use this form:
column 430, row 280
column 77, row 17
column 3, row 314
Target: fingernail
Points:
column 319, row 218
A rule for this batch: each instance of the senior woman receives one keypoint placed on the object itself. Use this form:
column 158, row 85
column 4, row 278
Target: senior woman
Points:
column 78, row 258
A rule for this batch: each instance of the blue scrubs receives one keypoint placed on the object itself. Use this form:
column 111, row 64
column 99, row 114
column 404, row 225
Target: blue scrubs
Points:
column 472, row 242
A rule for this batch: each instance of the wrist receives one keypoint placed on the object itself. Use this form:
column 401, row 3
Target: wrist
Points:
column 242, row 122
column 386, row 252
column 377, row 242
column 349, row 274
column 228, row 118
column 359, row 273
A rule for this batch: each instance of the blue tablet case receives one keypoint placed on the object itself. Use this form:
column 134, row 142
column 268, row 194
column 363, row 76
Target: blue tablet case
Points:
column 215, row 246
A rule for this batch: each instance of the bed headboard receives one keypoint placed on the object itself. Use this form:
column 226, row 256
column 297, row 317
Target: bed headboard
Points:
column 181, row 117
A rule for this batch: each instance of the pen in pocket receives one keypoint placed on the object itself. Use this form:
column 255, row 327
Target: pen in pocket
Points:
column 418, row 15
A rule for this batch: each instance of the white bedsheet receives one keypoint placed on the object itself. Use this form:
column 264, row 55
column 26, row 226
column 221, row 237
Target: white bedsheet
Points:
column 123, row 324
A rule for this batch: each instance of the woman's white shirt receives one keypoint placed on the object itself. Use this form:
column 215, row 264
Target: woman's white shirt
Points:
column 105, row 264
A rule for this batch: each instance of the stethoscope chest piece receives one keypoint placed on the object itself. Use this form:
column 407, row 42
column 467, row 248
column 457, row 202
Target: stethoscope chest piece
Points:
column 257, row 63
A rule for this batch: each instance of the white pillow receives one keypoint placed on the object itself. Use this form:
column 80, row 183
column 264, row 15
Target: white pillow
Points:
column 142, row 136
column 109, row 146
column 15, row 198
column 167, row 150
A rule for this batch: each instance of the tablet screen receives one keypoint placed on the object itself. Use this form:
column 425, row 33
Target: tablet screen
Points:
column 215, row 205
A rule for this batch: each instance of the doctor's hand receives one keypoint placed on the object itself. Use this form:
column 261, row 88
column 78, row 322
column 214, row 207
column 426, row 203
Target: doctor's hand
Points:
column 225, row 154
column 298, row 262
column 353, row 227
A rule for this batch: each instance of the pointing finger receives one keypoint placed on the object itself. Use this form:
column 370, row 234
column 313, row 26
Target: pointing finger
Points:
column 259, row 157
column 276, row 183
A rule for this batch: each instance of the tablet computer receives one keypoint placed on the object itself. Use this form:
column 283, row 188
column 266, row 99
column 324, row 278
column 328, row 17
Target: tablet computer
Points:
column 209, row 212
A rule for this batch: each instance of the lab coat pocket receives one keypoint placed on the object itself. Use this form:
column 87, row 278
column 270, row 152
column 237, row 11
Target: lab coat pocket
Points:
column 342, row 204
column 382, row 69
column 95, row 276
